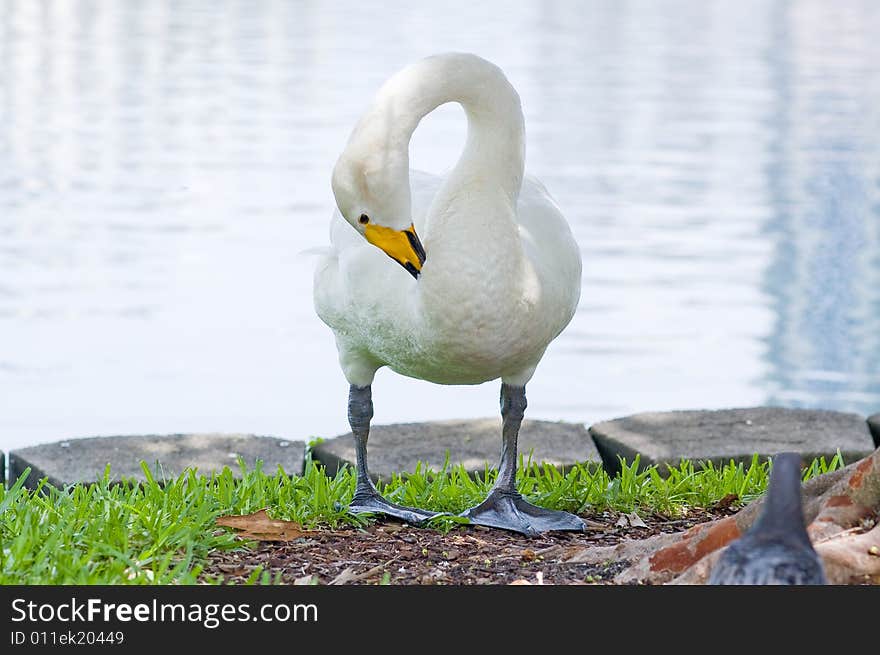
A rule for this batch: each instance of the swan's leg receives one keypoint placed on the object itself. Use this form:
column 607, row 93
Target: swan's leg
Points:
column 505, row 507
column 366, row 496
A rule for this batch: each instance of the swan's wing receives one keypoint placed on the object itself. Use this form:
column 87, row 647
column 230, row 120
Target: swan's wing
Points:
column 549, row 244
column 538, row 214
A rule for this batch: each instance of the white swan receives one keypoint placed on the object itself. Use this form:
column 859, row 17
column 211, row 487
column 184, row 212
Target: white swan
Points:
column 497, row 280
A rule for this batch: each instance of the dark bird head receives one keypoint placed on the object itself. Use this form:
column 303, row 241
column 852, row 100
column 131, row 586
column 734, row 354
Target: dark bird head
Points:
column 777, row 549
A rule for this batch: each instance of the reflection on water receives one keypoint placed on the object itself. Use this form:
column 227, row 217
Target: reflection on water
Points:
column 163, row 165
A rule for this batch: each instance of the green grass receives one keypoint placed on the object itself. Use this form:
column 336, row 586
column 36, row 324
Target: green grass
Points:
column 162, row 531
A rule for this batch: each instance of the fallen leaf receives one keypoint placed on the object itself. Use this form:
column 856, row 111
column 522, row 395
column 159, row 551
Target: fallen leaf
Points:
column 726, row 501
column 235, row 569
column 348, row 575
column 636, row 521
column 262, row 528
column 597, row 525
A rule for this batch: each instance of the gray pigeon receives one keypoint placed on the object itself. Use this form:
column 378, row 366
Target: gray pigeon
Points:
column 776, row 550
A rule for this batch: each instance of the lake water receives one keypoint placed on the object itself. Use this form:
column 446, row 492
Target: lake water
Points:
column 163, row 165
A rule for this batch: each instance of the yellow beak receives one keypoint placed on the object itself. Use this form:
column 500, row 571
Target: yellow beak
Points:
column 403, row 246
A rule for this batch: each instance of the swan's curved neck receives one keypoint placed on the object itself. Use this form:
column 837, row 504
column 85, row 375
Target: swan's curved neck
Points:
column 494, row 152
column 471, row 224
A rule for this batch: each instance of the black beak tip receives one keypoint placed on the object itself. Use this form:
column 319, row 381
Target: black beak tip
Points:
column 416, row 246
column 412, row 270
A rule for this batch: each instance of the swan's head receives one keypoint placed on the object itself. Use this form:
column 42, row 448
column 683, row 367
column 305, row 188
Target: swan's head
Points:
column 371, row 186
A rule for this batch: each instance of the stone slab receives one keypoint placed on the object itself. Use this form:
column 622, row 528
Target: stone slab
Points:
column 83, row 460
column 397, row 448
column 874, row 427
column 725, row 434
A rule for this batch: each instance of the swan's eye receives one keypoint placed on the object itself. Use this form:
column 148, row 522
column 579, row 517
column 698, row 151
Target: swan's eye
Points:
column 364, row 219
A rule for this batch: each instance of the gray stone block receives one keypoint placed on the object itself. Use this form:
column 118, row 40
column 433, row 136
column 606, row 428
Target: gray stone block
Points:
column 874, row 427
column 84, row 460
column 397, row 448
column 730, row 434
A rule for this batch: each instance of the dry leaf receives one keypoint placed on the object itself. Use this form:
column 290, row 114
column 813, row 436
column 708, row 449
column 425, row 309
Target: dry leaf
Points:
column 348, row 575
column 596, row 525
column 636, row 521
column 235, row 569
column 260, row 527
column 726, row 501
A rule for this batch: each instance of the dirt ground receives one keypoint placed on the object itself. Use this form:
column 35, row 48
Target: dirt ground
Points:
column 395, row 553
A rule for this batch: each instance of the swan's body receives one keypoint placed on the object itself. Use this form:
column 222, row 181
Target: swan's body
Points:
column 499, row 275
column 471, row 327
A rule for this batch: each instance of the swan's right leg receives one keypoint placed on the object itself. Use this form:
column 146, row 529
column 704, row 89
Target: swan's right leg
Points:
column 505, row 507
column 366, row 497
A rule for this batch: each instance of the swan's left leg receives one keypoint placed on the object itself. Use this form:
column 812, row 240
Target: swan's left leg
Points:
column 366, row 497
column 505, row 507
